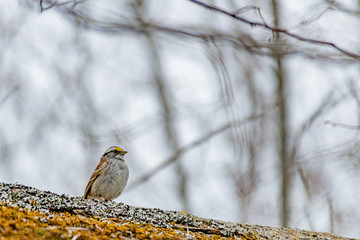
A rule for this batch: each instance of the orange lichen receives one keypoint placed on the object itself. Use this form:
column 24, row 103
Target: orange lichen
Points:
column 25, row 224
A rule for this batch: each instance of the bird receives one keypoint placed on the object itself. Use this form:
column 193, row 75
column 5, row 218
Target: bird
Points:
column 110, row 176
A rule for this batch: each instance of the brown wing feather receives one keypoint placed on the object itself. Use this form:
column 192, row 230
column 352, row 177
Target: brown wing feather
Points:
column 98, row 170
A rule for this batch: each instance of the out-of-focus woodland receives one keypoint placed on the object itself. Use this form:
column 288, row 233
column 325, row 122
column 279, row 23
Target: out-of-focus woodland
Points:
column 237, row 110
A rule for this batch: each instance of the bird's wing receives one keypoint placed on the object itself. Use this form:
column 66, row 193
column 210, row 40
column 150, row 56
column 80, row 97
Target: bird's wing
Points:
column 98, row 170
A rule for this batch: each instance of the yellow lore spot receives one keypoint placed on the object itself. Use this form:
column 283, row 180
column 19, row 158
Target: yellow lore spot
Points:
column 119, row 149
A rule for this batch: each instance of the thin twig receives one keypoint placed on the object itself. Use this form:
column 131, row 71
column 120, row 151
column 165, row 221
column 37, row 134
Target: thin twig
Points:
column 242, row 42
column 119, row 27
column 313, row 19
column 42, row 8
column 341, row 125
column 277, row 30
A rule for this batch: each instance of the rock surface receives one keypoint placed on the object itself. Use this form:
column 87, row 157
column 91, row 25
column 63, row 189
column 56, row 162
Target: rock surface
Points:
column 187, row 226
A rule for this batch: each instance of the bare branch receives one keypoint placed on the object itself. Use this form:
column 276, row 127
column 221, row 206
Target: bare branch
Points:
column 313, row 19
column 190, row 146
column 278, row 30
column 327, row 104
column 55, row 3
column 344, row 9
column 14, row 89
column 242, row 42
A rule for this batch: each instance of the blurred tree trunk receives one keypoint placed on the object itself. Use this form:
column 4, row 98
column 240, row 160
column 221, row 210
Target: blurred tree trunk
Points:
column 164, row 91
column 282, row 90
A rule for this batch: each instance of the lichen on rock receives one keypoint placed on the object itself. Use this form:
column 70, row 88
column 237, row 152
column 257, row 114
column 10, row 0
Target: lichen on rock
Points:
column 27, row 212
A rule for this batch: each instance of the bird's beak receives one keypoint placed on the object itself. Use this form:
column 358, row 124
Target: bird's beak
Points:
column 123, row 152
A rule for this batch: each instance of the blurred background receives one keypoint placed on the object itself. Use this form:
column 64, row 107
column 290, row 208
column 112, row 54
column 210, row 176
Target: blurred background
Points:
column 244, row 111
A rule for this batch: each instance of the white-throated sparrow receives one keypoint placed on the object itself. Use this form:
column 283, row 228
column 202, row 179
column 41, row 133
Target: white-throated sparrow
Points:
column 110, row 176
